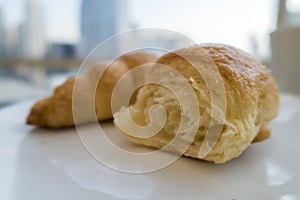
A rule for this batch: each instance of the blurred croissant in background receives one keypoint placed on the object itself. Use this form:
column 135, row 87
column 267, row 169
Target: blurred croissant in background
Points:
column 56, row 110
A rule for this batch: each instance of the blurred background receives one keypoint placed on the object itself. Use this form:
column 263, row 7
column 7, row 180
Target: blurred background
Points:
column 42, row 42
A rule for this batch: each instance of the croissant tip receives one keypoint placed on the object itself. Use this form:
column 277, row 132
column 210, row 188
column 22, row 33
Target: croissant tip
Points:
column 35, row 116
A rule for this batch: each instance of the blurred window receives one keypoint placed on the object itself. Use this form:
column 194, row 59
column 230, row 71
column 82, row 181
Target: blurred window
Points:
column 43, row 42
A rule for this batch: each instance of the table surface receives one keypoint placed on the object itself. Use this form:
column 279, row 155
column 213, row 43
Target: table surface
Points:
column 38, row 163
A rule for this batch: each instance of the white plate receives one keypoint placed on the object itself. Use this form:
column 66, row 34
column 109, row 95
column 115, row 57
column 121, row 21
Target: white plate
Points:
column 46, row 164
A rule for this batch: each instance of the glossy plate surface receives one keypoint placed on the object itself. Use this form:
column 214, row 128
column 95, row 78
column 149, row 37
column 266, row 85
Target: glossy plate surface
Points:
column 46, row 164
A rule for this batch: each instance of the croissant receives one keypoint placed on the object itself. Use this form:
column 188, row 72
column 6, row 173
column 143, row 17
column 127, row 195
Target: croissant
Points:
column 250, row 95
column 56, row 110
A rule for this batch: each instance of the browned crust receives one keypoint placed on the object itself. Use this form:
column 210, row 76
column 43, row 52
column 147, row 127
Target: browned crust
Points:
column 245, row 78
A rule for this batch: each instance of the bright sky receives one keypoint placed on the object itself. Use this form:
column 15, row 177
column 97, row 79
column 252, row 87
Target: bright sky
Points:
column 228, row 21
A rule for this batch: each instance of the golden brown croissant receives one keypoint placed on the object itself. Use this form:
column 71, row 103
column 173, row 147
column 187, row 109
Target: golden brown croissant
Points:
column 251, row 98
column 56, row 110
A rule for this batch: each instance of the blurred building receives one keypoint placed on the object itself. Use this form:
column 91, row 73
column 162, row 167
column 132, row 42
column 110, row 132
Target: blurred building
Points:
column 13, row 44
column 101, row 19
column 32, row 31
column 2, row 37
column 61, row 50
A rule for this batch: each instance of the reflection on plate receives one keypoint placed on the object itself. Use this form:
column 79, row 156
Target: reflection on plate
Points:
column 46, row 164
